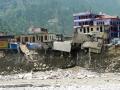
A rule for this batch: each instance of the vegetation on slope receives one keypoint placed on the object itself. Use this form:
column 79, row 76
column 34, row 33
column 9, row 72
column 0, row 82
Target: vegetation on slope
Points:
column 56, row 15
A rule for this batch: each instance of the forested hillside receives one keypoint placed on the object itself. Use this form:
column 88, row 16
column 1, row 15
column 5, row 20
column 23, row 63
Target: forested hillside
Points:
column 56, row 15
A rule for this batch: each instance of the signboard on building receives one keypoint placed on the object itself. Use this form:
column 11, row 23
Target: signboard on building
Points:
column 3, row 44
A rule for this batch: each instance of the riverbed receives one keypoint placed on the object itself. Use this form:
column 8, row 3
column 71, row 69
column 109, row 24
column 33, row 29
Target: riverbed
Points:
column 76, row 78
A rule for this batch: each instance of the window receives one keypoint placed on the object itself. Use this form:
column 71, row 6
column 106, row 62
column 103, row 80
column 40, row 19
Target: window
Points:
column 18, row 39
column 81, row 17
column 112, row 34
column 97, row 28
column 111, row 28
column 90, row 16
column 117, row 22
column 91, row 29
column 75, row 17
column 91, row 22
column 101, row 29
column 26, row 39
column 33, row 39
column 83, row 23
column 115, row 34
column 80, row 29
column 111, row 23
column 41, row 38
column 45, row 37
column 88, row 29
column 84, row 30
column 86, row 23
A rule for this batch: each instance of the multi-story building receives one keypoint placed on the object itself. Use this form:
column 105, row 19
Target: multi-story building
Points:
column 100, row 24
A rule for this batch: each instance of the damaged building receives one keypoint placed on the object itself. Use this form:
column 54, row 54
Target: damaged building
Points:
column 92, row 29
column 91, row 23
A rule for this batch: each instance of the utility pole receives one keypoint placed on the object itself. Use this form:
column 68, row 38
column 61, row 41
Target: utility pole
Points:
column 118, row 31
column 89, row 57
column 77, row 58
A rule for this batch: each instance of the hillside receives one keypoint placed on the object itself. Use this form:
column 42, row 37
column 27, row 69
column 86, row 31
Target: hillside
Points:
column 56, row 15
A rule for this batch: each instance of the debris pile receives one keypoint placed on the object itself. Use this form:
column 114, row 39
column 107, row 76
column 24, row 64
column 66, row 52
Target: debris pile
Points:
column 72, row 73
column 114, row 65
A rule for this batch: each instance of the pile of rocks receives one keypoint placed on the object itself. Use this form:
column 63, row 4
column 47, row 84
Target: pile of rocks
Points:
column 71, row 73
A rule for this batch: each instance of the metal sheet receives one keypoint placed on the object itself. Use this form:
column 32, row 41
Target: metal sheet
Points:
column 62, row 46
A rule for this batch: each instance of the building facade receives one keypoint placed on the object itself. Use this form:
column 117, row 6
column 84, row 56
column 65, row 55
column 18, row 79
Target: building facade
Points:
column 98, row 24
column 45, row 37
column 38, row 35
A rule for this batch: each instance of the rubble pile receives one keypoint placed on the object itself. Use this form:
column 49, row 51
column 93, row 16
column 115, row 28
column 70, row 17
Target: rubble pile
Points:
column 18, row 63
column 72, row 73
column 76, row 78
column 14, row 64
column 114, row 65
column 75, row 72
